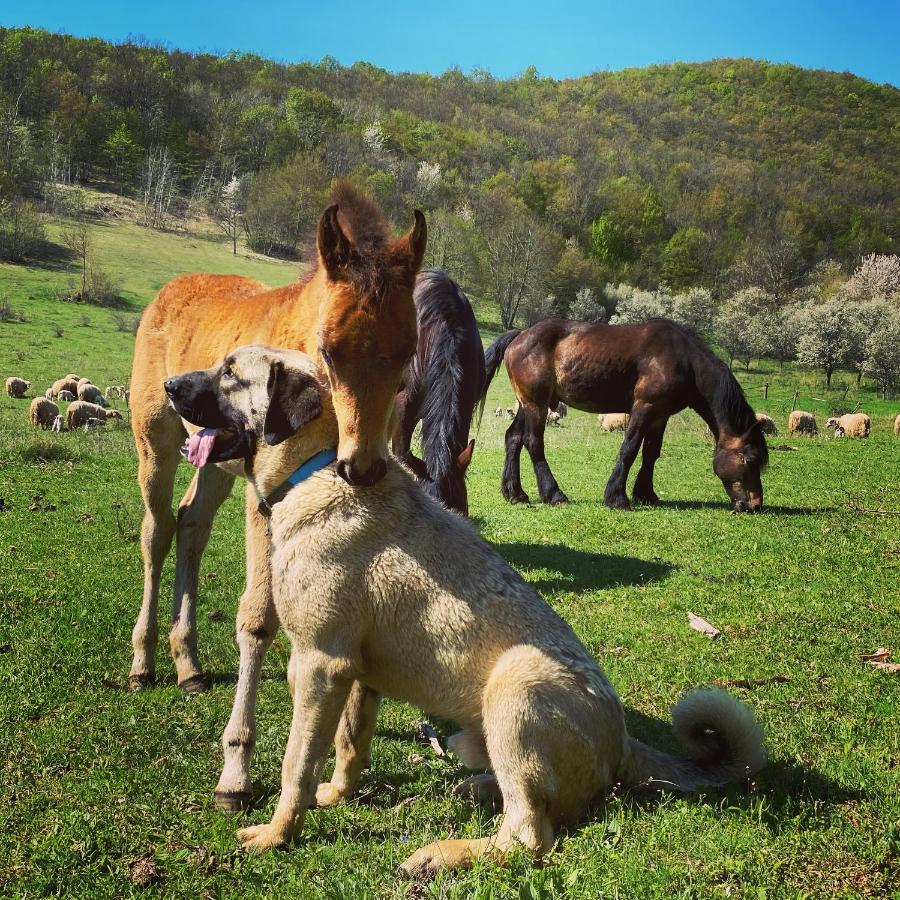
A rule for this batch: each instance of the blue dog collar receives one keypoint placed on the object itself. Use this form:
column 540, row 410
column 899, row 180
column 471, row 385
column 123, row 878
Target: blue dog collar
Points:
column 298, row 476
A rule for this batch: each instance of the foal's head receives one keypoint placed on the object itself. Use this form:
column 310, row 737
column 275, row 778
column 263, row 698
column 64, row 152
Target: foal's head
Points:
column 367, row 325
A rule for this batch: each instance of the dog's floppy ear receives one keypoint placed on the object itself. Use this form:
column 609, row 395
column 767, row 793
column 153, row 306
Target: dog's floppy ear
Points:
column 293, row 401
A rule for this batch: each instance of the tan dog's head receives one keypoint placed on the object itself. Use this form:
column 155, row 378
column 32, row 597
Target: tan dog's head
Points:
column 261, row 405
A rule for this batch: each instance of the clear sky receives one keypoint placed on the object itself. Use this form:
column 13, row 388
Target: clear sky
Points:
column 560, row 38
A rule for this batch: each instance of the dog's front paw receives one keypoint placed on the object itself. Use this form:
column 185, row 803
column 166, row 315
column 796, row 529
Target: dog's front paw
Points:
column 262, row 837
column 328, row 794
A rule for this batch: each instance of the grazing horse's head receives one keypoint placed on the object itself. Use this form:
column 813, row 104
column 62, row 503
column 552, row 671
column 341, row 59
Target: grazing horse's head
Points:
column 738, row 462
column 367, row 326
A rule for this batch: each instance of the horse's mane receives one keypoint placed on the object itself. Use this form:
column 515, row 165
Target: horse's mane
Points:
column 728, row 402
column 439, row 370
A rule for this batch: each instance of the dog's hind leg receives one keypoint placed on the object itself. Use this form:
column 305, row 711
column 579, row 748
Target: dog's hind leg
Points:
column 257, row 624
column 321, row 687
column 207, row 492
column 157, row 441
column 352, row 744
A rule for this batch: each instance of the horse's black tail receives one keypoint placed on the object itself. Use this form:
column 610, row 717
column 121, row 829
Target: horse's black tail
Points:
column 493, row 356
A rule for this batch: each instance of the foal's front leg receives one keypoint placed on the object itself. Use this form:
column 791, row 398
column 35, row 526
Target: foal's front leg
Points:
column 321, row 686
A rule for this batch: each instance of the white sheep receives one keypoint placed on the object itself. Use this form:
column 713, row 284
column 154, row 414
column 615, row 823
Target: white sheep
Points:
column 80, row 411
column 897, row 425
column 553, row 418
column 66, row 396
column 767, row 424
column 43, row 412
column 800, row 422
column 17, row 387
column 57, row 424
column 562, row 409
column 49, row 394
column 851, row 425
column 613, row 421
column 90, row 393
column 65, row 384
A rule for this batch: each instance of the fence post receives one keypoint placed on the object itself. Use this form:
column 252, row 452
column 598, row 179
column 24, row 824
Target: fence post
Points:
column 766, row 391
column 794, row 402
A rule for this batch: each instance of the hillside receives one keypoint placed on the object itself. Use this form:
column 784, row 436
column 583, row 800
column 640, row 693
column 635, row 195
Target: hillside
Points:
column 685, row 173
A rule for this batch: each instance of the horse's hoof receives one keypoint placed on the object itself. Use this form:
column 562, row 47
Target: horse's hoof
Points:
column 233, row 801
column 521, row 497
column 617, row 502
column 141, row 682
column 558, row 498
column 650, row 500
column 196, row 684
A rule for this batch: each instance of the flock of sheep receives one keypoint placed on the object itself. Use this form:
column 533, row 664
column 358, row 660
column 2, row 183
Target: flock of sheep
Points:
column 799, row 422
column 88, row 407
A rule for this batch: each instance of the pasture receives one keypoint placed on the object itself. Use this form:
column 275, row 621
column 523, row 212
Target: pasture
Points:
column 105, row 793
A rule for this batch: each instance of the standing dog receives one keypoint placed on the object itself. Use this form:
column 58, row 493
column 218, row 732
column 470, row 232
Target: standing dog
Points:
column 385, row 587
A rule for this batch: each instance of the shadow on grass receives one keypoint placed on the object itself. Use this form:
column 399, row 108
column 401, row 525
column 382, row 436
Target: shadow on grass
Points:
column 579, row 569
column 47, row 452
column 53, row 257
column 725, row 507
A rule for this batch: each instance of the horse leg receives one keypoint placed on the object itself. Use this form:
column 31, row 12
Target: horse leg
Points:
column 511, row 485
column 643, row 486
column 157, row 441
column 615, row 496
column 535, row 424
column 208, row 490
column 257, row 625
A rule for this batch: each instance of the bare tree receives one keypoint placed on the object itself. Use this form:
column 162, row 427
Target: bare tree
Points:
column 79, row 241
column 228, row 211
column 160, row 183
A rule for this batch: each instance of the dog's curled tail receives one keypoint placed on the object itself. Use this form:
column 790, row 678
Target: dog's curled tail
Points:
column 720, row 735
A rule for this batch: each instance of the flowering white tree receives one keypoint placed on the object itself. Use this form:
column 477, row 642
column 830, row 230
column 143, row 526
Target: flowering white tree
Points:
column 586, row 307
column 695, row 309
column 881, row 359
column 428, row 182
column 636, row 305
column 228, row 212
column 374, row 139
column 827, row 337
column 877, row 275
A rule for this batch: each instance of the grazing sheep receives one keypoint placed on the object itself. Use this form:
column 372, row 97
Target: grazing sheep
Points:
column 114, row 390
column 16, row 387
column 498, row 412
column 57, row 424
column 113, row 414
column 851, row 425
column 510, row 414
column 613, row 421
column 66, row 396
column 80, row 411
column 553, row 418
column 800, row 422
column 767, row 423
column 49, row 394
column 91, row 393
column 73, row 377
column 93, row 424
column 562, row 409
column 897, row 425
column 43, row 412
column 65, row 384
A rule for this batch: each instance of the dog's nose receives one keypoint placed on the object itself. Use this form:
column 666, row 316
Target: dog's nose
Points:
column 171, row 386
column 351, row 475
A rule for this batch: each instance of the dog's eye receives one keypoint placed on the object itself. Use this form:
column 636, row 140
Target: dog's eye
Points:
column 227, row 373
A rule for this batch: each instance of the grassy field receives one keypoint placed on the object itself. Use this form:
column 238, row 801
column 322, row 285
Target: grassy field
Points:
column 104, row 793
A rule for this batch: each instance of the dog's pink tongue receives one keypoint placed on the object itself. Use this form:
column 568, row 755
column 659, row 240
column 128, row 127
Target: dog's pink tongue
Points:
column 200, row 445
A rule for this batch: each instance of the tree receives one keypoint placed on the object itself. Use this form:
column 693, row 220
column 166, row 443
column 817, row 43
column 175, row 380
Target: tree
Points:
column 732, row 332
column 826, row 338
column 608, row 242
column 227, row 212
column 633, row 305
column 453, row 245
column 516, row 252
column 21, row 229
column 123, row 154
column 696, row 310
column 79, row 242
column 882, row 354
column 876, row 276
column 682, row 258
column 160, row 187
column 784, row 335
column 313, row 114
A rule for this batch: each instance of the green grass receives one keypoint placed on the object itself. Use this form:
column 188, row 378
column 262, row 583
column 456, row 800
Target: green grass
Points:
column 95, row 781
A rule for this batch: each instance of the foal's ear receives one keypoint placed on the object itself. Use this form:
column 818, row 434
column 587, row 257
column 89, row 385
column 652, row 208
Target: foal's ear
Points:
column 294, row 400
column 465, row 457
column 334, row 246
column 413, row 243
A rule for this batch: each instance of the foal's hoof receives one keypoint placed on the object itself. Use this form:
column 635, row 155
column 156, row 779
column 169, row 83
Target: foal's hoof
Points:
column 233, row 801
column 141, row 682
column 196, row 684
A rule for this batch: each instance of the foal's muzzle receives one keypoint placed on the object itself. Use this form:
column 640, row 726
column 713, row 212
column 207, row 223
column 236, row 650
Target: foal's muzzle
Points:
column 348, row 471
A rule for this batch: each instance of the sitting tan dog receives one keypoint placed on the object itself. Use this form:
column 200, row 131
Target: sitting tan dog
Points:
column 384, row 586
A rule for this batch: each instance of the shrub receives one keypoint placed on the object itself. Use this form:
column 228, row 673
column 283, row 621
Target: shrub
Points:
column 21, row 230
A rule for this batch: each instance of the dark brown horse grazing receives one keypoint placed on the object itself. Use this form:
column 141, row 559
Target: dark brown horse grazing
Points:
column 441, row 387
column 652, row 371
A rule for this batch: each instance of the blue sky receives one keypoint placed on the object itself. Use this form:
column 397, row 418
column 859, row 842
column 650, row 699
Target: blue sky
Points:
column 560, row 39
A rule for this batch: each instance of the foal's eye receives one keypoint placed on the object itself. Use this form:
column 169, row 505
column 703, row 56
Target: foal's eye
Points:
column 326, row 356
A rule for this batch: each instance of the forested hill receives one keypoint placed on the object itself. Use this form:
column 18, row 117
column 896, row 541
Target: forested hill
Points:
column 713, row 173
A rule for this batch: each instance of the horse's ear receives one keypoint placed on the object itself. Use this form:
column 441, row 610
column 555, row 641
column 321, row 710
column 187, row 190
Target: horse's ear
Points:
column 334, row 246
column 756, row 426
column 465, row 457
column 418, row 467
column 413, row 243
column 294, row 400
